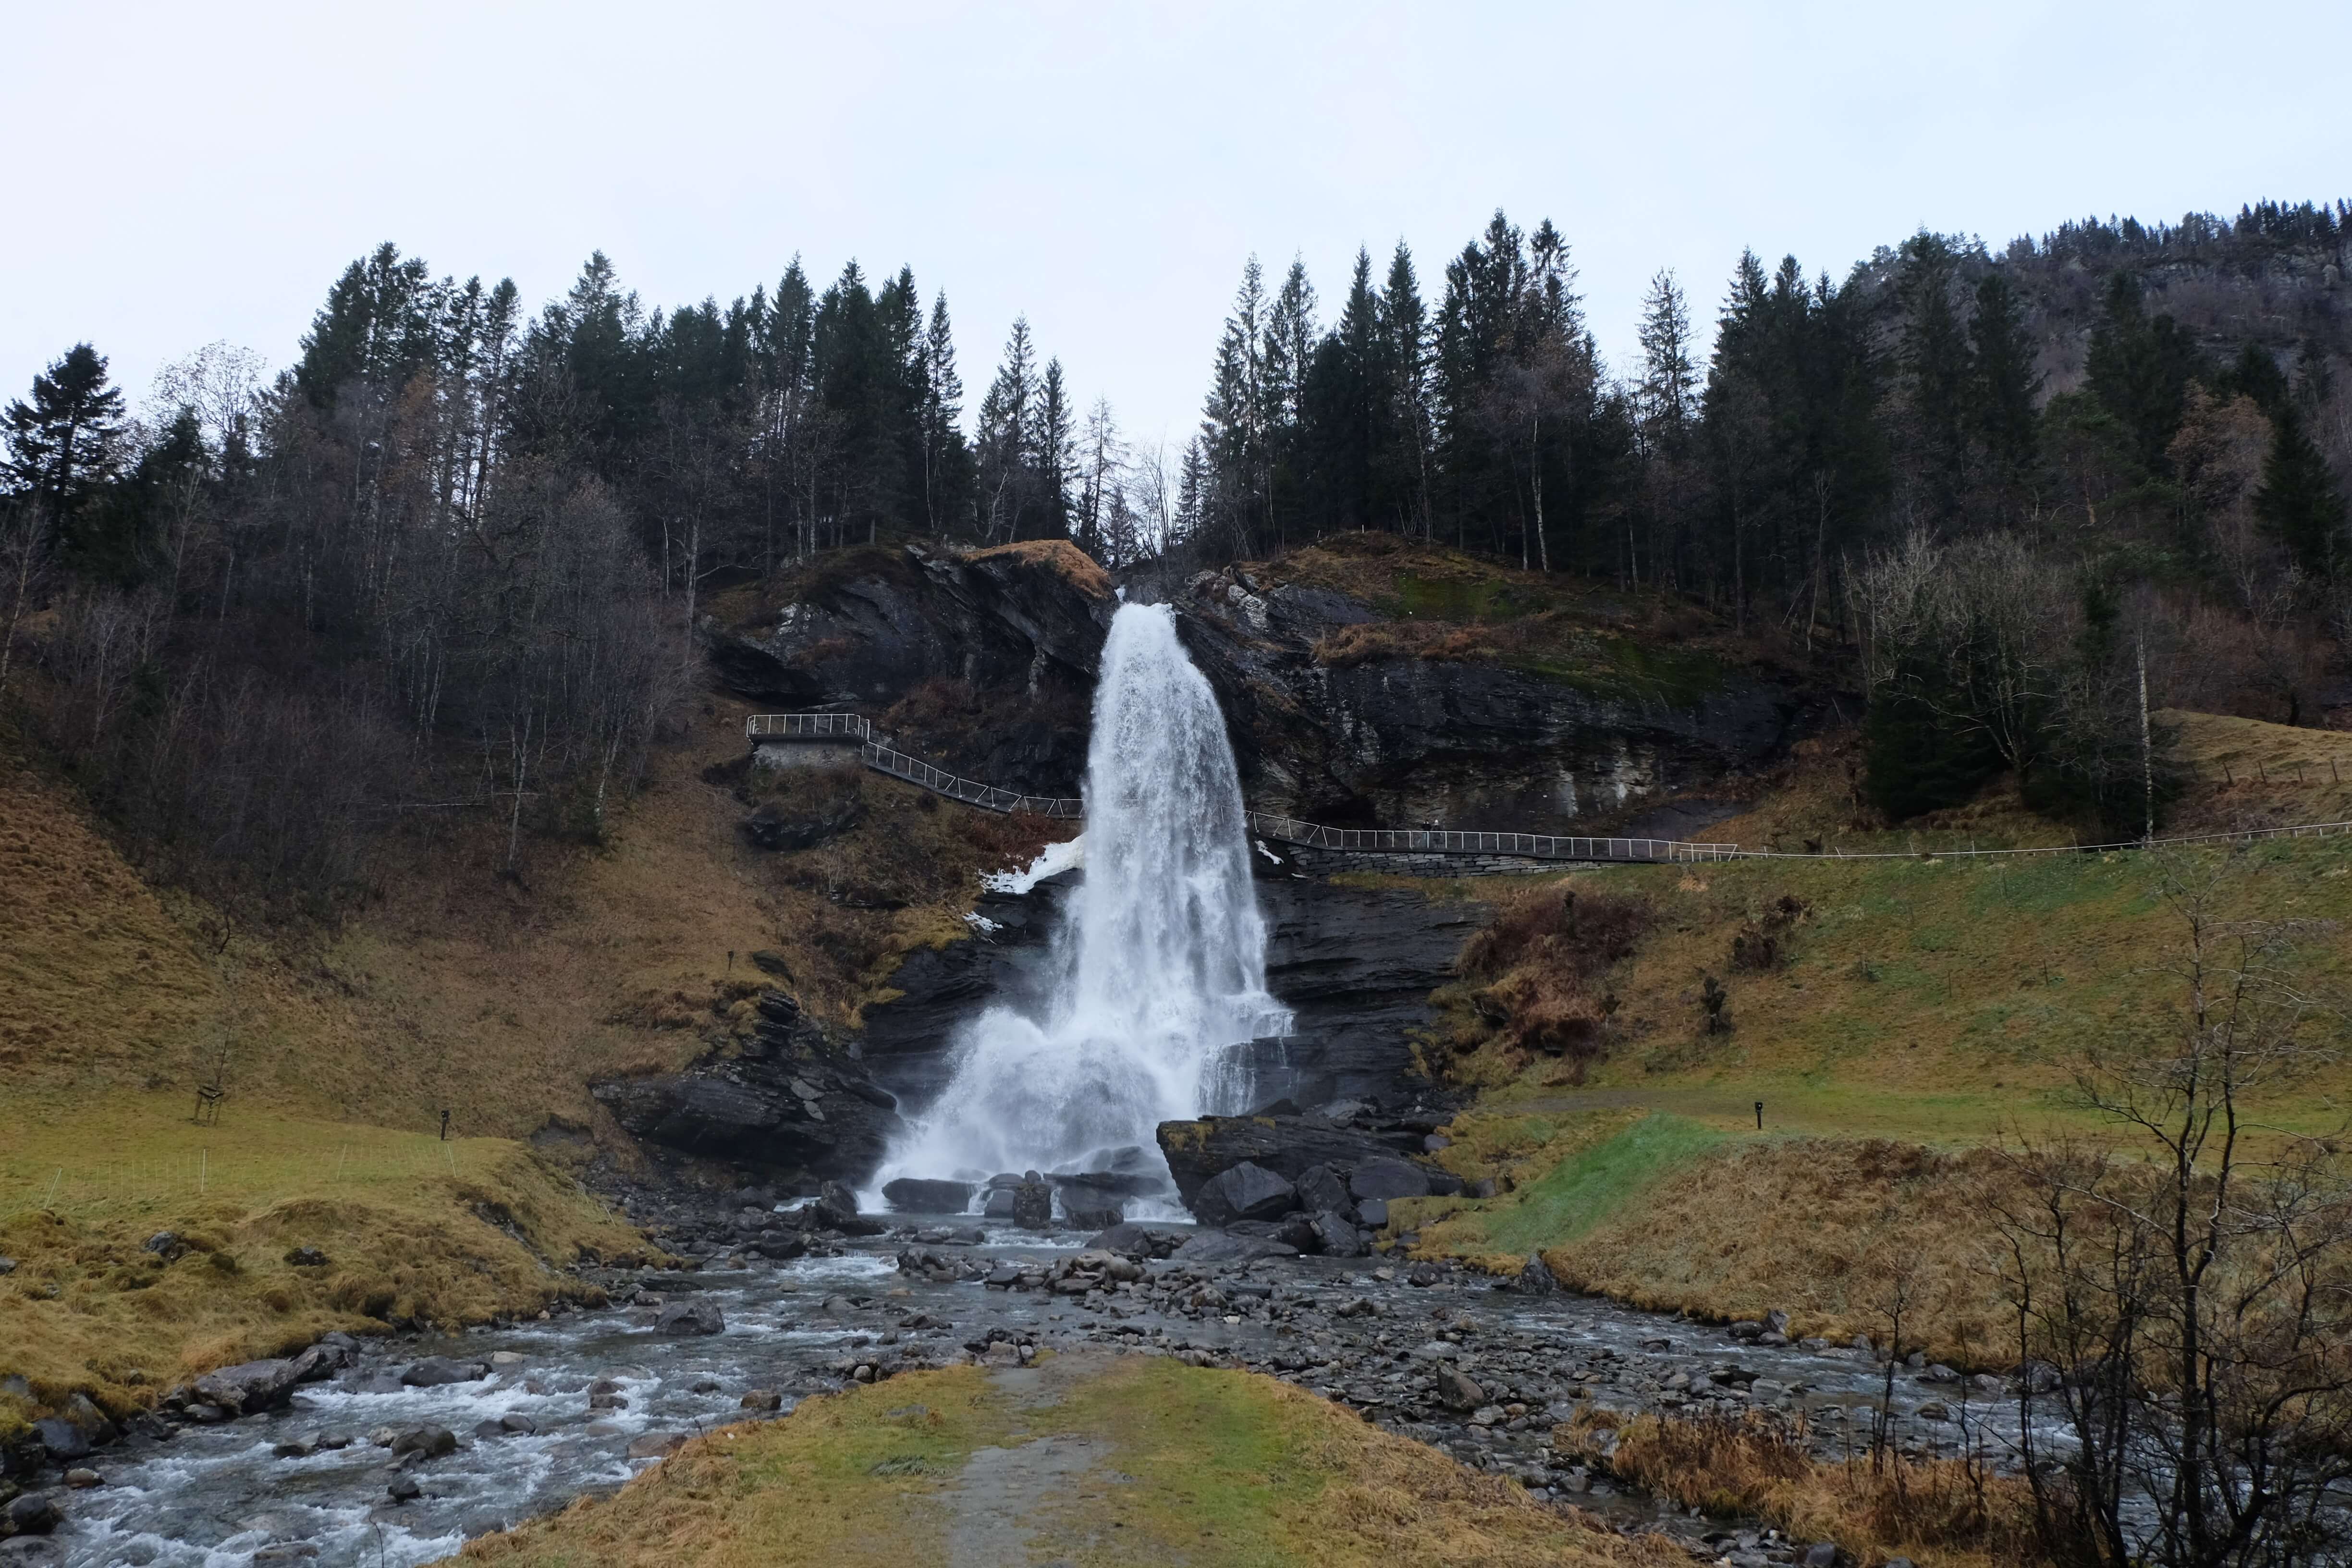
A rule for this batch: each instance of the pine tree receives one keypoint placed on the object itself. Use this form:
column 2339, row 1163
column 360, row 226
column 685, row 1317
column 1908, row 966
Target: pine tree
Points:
column 2005, row 385
column 1937, row 356
column 1669, row 386
column 1054, row 455
column 1404, row 376
column 2139, row 369
column 1006, row 436
column 942, row 410
column 2298, row 498
column 63, row 451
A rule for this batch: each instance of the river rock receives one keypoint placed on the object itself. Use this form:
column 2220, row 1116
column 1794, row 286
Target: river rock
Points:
column 690, row 1318
column 1535, row 1278
column 997, row 1204
column 404, row 1488
column 1220, row 1247
column 1456, row 1391
column 1372, row 1213
column 1129, row 1239
column 437, row 1370
column 762, row 1399
column 1320, row 1187
column 1033, row 1205
column 31, row 1514
column 1336, row 1236
column 655, row 1445
column 1245, row 1191
column 426, row 1442
column 1087, row 1209
column 913, row 1195
column 1287, row 1146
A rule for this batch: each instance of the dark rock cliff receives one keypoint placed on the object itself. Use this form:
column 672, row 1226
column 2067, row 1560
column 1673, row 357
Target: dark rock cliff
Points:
column 794, row 1102
column 986, row 665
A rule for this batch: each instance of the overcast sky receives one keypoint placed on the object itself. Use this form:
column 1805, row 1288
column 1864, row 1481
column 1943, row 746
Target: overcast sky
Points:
column 191, row 172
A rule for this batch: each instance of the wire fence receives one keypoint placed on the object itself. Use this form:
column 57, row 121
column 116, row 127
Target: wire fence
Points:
column 1291, row 830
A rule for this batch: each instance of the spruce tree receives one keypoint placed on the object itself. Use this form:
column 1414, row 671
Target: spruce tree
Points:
column 2298, row 498
column 1936, row 354
column 2005, row 384
column 1404, row 374
column 62, row 448
column 2139, row 369
column 1669, row 379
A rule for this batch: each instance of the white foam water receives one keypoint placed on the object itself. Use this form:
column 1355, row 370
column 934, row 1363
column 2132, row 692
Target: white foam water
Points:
column 1158, row 975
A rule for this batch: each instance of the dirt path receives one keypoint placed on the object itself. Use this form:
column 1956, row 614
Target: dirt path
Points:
column 1004, row 1497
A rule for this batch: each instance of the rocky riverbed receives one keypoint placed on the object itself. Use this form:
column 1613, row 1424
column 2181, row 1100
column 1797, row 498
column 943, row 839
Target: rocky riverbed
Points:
column 400, row 1448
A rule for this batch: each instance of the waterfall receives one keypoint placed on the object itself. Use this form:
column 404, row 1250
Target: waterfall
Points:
column 1159, row 973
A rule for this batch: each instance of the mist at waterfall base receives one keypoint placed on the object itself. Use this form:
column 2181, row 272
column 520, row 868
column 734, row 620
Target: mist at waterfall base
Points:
column 1157, row 975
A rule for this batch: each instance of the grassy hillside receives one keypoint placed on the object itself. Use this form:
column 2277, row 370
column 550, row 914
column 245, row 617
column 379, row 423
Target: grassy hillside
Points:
column 496, row 998
column 1899, row 1019
column 1085, row 1460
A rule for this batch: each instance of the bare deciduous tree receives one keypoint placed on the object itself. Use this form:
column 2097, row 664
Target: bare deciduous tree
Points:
column 2183, row 1290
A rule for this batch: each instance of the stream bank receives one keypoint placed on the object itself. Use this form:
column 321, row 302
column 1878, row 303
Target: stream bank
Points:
column 575, row 1405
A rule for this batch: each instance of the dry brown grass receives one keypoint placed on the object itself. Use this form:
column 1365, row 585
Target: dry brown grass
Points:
column 1431, row 640
column 1831, row 1231
column 1059, row 556
column 1940, row 1514
column 1533, row 976
column 1187, row 1466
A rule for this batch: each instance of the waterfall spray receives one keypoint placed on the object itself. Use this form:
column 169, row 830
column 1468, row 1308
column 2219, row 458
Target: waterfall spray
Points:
column 1160, row 972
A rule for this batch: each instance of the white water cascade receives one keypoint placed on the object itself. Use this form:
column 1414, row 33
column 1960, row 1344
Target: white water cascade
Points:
column 1159, row 973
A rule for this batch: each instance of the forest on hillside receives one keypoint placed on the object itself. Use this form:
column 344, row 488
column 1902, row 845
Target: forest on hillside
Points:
column 454, row 557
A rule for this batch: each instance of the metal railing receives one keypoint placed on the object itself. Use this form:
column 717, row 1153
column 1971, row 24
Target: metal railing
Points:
column 1425, row 840
column 1275, row 829
column 1447, row 841
column 806, row 726
column 915, row 771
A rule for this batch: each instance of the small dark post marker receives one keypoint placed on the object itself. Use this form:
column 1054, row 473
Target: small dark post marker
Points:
column 1760, row 1116
column 444, row 1121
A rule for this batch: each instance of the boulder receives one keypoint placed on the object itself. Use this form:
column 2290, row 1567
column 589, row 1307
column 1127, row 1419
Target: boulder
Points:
column 252, row 1385
column 1455, row 1391
column 690, row 1318
column 1087, row 1209
column 655, row 1445
column 1372, row 1213
column 1321, row 1187
column 1221, row 1246
column 1337, row 1237
column 762, row 1399
column 426, row 1442
column 912, row 1195
column 1245, row 1191
column 997, row 1204
column 435, row 1371
column 1387, row 1177
column 1535, row 1278
column 404, row 1488
column 825, row 1215
column 774, row 825
column 1129, row 1239
column 31, row 1514
column 1286, row 1145
column 1033, row 1206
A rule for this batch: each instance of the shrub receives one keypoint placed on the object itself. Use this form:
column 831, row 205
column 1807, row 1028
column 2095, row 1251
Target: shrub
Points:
column 1540, row 959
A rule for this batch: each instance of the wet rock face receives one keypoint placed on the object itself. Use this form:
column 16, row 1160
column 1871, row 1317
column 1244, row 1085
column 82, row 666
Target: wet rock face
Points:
column 1018, row 626
column 1396, row 742
column 792, row 1101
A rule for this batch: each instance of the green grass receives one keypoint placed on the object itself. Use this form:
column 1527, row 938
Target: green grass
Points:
column 1587, row 1188
column 1173, row 1464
